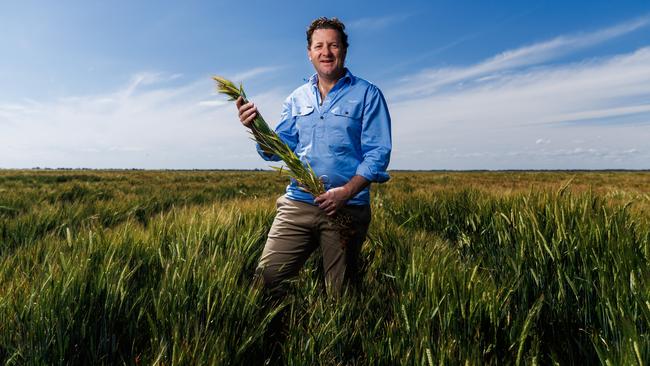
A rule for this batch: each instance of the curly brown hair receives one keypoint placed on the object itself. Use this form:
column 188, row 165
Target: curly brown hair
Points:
column 325, row 23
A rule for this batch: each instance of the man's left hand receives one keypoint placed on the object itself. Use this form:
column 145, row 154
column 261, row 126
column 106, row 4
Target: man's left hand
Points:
column 333, row 200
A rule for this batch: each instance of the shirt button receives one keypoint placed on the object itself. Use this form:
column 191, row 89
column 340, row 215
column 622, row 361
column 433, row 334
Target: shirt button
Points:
column 321, row 117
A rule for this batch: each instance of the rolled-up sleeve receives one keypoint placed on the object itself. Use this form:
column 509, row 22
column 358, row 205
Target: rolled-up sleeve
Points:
column 375, row 138
column 286, row 130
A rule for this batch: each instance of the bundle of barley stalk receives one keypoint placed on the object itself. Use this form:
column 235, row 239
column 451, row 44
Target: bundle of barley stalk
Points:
column 271, row 143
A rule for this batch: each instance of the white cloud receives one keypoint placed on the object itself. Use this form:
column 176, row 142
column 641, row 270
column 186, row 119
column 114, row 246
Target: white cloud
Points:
column 569, row 92
column 141, row 79
column 596, row 112
column 212, row 103
column 375, row 23
column 145, row 124
column 433, row 80
column 249, row 74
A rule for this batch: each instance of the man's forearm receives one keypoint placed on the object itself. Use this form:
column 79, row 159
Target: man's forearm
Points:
column 356, row 185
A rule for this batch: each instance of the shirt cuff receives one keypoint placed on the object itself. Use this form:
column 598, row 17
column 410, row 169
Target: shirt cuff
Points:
column 265, row 156
column 372, row 175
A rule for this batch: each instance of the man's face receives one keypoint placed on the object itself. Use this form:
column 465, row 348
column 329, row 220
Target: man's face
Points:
column 327, row 53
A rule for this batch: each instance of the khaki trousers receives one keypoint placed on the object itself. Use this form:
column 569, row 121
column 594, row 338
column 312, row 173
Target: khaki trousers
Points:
column 298, row 229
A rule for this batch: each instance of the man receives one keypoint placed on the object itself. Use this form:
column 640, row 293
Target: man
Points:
column 340, row 125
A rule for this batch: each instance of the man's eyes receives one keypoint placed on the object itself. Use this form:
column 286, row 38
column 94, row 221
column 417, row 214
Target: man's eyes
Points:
column 319, row 46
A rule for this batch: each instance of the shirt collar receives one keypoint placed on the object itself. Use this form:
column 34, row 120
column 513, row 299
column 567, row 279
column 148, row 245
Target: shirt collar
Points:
column 313, row 80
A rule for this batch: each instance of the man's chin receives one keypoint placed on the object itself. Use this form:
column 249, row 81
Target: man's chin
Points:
column 331, row 73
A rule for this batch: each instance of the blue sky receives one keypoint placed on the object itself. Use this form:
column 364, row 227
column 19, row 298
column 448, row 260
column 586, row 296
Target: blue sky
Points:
column 470, row 85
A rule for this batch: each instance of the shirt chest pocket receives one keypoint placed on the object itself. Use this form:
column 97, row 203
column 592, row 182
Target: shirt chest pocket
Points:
column 344, row 127
column 304, row 118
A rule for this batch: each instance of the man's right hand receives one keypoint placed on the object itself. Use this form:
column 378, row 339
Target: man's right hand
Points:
column 247, row 112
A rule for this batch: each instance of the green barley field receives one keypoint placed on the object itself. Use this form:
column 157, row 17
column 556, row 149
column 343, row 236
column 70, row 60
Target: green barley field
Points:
column 471, row 268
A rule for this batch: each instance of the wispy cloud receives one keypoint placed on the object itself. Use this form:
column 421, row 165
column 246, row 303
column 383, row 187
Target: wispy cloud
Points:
column 432, row 80
column 375, row 23
column 146, row 78
column 146, row 123
column 212, row 103
column 605, row 88
column 249, row 74
column 598, row 114
column 593, row 113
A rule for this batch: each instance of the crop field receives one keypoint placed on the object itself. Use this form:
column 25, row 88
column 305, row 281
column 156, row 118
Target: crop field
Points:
column 156, row 267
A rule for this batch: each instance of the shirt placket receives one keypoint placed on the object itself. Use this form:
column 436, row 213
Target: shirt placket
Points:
column 323, row 110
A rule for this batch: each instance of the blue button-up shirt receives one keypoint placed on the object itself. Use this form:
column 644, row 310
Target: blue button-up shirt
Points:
column 349, row 134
